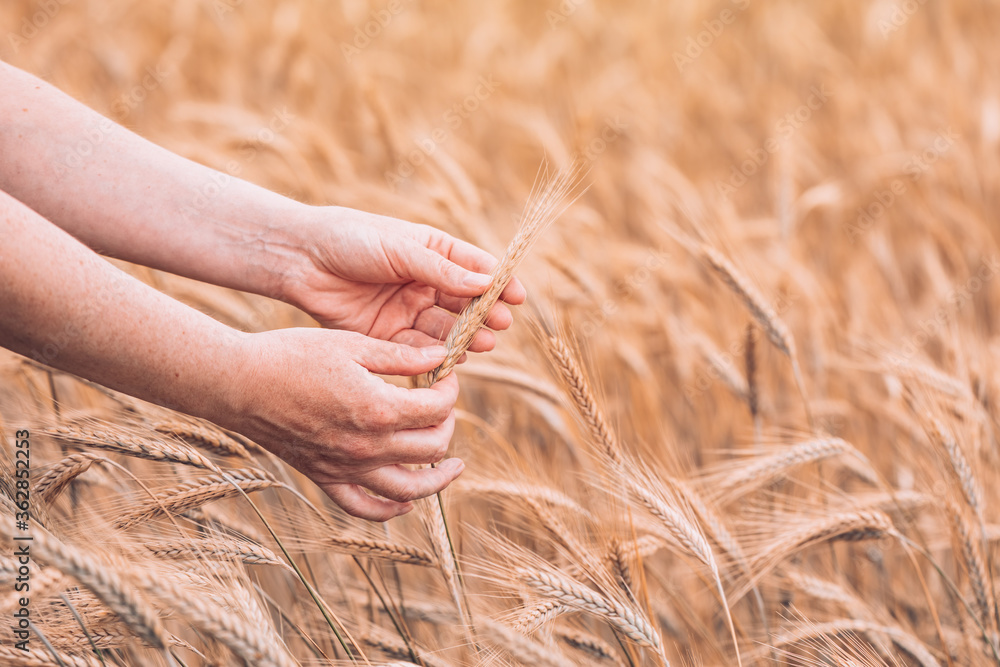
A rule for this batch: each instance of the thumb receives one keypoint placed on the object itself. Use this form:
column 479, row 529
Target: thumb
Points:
column 423, row 265
column 386, row 358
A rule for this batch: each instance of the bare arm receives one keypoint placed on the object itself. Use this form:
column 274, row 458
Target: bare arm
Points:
column 309, row 395
column 129, row 198
column 126, row 197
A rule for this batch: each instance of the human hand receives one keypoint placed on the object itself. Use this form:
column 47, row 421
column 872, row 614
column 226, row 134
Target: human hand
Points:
column 312, row 398
column 391, row 279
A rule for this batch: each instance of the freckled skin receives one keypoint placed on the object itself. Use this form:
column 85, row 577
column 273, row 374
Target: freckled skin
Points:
column 74, row 184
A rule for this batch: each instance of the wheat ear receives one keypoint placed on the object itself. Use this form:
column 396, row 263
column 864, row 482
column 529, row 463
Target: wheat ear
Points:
column 583, row 397
column 110, row 583
column 538, row 614
column 775, row 328
column 904, row 640
column 399, row 553
column 36, row 657
column 153, row 449
column 766, row 469
column 540, row 211
column 215, row 548
column 61, row 473
column 589, row 644
column 523, row 649
column 195, row 494
column 630, row 622
column 202, row 436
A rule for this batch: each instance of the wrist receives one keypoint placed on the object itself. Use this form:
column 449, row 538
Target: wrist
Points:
column 300, row 237
column 233, row 395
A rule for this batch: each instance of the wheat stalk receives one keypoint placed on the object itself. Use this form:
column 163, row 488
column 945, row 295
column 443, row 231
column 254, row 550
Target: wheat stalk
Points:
column 214, row 548
column 913, row 646
column 583, row 397
column 195, row 494
column 767, row 469
column 775, row 328
column 589, row 644
column 48, row 487
column 111, row 583
column 538, row 614
column 153, row 449
column 400, row 553
column 540, row 211
column 572, row 594
column 523, row 649
column 202, row 436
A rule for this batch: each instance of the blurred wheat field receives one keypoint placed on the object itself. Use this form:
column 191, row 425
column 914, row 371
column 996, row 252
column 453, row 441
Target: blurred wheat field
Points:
column 749, row 415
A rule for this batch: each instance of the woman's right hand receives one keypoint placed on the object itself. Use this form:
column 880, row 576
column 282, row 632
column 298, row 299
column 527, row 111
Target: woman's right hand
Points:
column 311, row 397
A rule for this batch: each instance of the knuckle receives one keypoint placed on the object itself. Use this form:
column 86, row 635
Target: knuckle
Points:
column 358, row 449
column 378, row 417
column 440, row 450
column 408, row 491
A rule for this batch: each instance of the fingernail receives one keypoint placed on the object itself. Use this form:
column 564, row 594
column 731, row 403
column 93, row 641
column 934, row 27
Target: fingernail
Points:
column 434, row 351
column 406, row 510
column 452, row 465
column 477, row 280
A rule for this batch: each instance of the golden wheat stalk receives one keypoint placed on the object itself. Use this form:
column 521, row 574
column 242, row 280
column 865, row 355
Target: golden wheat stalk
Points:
column 58, row 476
column 384, row 550
column 593, row 646
column 574, row 378
column 195, row 494
column 913, row 646
column 39, row 657
column 629, row 622
column 538, row 614
column 523, row 649
column 777, row 331
column 540, row 211
column 153, row 449
column 114, row 585
column 214, row 548
column 391, row 646
column 202, row 436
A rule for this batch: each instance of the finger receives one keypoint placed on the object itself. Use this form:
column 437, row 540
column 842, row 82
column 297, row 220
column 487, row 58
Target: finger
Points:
column 421, row 446
column 417, row 262
column 498, row 319
column 414, row 338
column 353, row 500
column 405, row 485
column 388, row 358
column 419, row 408
column 420, row 339
column 477, row 259
column 438, row 323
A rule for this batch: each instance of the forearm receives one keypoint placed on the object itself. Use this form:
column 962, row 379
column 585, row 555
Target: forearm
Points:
column 63, row 305
column 128, row 198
